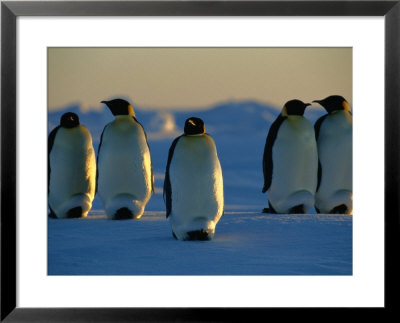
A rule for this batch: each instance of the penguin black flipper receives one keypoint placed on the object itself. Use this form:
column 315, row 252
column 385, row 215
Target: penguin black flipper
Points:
column 50, row 144
column 52, row 214
column 317, row 127
column 167, row 184
column 267, row 157
column 151, row 163
column 319, row 175
column 97, row 159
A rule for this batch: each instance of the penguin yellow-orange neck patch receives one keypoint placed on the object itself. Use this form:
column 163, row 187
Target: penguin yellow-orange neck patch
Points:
column 346, row 106
column 130, row 111
column 284, row 111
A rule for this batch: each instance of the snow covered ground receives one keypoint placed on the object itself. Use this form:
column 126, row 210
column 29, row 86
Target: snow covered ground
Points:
column 247, row 242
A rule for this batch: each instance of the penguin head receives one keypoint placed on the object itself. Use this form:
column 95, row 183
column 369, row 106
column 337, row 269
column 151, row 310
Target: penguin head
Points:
column 69, row 120
column 119, row 107
column 194, row 126
column 334, row 103
column 294, row 108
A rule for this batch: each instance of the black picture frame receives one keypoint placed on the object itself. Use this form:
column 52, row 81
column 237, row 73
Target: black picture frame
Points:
column 10, row 10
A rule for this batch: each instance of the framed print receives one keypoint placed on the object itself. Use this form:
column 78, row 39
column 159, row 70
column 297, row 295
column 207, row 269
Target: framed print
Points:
column 217, row 57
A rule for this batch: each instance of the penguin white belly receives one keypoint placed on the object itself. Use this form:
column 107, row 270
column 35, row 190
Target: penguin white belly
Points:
column 295, row 165
column 335, row 149
column 73, row 171
column 124, row 175
column 196, row 186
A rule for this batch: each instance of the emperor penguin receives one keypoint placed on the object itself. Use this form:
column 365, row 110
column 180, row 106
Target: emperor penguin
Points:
column 334, row 132
column 193, row 185
column 125, row 179
column 290, row 161
column 71, row 169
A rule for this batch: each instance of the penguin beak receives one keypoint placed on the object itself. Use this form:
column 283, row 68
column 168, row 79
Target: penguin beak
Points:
column 105, row 102
column 307, row 104
column 317, row 101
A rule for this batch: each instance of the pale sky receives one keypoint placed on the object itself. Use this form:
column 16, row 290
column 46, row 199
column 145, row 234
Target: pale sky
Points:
column 196, row 77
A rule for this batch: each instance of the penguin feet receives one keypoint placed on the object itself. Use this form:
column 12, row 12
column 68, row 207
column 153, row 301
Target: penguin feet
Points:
column 269, row 209
column 197, row 235
column 340, row 209
column 201, row 235
column 75, row 212
column 52, row 214
column 123, row 214
column 298, row 209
